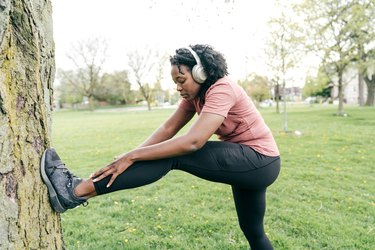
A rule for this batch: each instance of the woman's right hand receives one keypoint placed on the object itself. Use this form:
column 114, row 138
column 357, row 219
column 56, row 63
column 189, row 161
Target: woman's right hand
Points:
column 115, row 168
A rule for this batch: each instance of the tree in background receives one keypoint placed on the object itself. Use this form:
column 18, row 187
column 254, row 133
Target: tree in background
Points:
column 146, row 66
column 115, row 88
column 27, row 69
column 68, row 92
column 88, row 57
column 283, row 48
column 160, row 94
column 362, row 34
column 257, row 87
column 330, row 26
column 369, row 77
column 319, row 86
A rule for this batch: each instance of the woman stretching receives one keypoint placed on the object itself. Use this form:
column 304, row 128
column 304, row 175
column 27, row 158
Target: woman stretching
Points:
column 246, row 157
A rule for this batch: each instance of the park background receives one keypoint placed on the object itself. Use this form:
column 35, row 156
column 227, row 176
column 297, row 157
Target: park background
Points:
column 301, row 64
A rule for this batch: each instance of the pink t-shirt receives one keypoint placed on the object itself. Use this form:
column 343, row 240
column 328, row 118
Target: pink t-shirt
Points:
column 243, row 123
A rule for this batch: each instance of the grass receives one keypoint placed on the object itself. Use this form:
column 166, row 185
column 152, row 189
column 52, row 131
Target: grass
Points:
column 324, row 197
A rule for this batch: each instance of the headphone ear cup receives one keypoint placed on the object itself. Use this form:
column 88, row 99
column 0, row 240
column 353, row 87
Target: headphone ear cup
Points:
column 198, row 73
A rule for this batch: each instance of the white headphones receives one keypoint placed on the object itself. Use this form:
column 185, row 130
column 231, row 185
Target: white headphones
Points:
column 198, row 71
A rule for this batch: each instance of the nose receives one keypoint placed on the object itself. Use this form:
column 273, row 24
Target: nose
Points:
column 178, row 87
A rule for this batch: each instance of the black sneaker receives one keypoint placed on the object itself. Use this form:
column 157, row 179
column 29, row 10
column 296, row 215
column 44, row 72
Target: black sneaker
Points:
column 60, row 182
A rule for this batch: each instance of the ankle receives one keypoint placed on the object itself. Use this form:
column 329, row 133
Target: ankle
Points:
column 85, row 190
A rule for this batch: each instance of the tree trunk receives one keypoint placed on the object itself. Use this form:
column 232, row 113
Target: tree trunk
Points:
column 27, row 68
column 340, row 95
column 148, row 105
column 361, row 99
column 370, row 90
column 91, row 103
column 277, row 99
column 285, row 116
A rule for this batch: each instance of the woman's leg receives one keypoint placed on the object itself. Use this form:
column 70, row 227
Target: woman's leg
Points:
column 139, row 174
column 251, row 206
column 248, row 172
column 230, row 163
column 223, row 162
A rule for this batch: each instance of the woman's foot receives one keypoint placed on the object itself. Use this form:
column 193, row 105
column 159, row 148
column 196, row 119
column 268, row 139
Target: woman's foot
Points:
column 60, row 182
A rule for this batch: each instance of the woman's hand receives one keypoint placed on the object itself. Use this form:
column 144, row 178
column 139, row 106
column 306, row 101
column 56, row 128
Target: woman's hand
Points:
column 115, row 168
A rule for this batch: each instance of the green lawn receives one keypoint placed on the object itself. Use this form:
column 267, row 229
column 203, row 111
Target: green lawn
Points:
column 324, row 197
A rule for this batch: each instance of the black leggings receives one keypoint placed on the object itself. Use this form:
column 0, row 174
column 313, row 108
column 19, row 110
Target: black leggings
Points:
column 247, row 171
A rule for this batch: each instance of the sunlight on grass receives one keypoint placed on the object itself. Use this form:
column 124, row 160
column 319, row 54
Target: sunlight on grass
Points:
column 323, row 199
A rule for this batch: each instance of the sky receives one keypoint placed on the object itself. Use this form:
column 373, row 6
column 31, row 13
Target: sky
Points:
column 237, row 30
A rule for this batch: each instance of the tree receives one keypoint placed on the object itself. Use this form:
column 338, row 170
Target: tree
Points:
column 362, row 34
column 330, row 28
column 283, row 52
column 319, row 86
column 88, row 57
column 67, row 89
column 115, row 88
column 146, row 67
column 27, row 66
column 257, row 87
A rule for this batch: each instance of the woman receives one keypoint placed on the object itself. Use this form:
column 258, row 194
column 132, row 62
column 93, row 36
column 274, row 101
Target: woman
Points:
column 246, row 157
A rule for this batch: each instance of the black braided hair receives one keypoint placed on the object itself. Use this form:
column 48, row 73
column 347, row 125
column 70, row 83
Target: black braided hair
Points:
column 213, row 62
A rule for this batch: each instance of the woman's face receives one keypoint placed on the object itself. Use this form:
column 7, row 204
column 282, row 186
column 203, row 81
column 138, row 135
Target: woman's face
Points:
column 184, row 81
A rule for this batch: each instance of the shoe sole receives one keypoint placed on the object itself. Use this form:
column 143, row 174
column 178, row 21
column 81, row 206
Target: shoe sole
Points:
column 54, row 200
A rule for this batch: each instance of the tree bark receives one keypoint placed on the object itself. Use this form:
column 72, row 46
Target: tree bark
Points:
column 27, row 68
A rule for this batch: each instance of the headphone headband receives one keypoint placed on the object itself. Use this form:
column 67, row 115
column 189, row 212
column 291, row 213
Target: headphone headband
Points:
column 198, row 72
column 195, row 55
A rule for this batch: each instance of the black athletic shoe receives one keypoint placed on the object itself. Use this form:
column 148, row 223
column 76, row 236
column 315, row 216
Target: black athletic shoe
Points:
column 60, row 182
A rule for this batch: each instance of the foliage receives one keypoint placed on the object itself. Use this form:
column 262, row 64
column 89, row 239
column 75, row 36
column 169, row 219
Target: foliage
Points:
column 323, row 198
column 362, row 33
column 115, row 88
column 257, row 87
column 318, row 86
column 334, row 30
column 68, row 88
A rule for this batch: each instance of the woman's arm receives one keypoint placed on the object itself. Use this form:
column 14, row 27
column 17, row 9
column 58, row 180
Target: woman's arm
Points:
column 193, row 140
column 170, row 127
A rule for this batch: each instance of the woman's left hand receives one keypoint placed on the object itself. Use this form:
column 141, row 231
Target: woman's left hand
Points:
column 115, row 168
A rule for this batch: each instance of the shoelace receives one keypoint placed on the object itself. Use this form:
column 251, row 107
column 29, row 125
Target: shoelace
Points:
column 59, row 166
